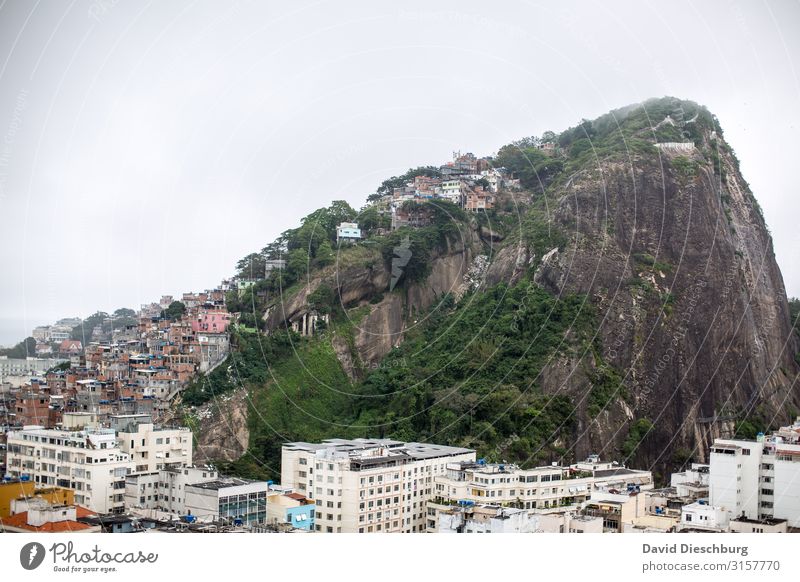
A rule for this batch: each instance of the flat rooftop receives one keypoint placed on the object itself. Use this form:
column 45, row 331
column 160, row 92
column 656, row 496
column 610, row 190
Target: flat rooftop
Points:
column 617, row 472
column 222, row 483
column 354, row 446
column 765, row 521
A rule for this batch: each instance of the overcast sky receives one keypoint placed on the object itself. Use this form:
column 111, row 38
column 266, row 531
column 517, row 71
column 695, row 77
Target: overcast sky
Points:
column 145, row 147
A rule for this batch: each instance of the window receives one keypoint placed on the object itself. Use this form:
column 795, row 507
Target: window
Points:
column 303, row 461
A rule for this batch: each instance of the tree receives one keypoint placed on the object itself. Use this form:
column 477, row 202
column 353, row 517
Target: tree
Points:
column 370, row 219
column 274, row 250
column 325, row 255
column 25, row 348
column 253, row 266
column 548, row 137
column 124, row 312
column 83, row 331
column 531, row 165
column 323, row 300
column 174, row 311
column 387, row 186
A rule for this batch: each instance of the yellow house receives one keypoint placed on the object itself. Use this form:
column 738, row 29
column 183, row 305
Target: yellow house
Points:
column 10, row 490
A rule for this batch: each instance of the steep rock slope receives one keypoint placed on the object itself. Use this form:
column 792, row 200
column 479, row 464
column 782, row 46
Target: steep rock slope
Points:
column 671, row 246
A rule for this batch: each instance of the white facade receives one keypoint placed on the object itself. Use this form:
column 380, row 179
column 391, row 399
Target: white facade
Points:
column 758, row 479
column 165, row 490
column 451, row 190
column 693, row 482
column 10, row 367
column 494, row 178
column 348, row 231
column 367, row 485
column 152, row 449
column 487, row 519
column 544, row 489
column 701, row 515
column 88, row 462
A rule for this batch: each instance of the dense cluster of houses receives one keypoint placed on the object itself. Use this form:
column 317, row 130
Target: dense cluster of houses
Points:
column 467, row 181
column 138, row 370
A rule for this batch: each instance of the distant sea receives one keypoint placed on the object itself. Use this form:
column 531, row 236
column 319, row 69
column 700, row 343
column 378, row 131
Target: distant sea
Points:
column 15, row 329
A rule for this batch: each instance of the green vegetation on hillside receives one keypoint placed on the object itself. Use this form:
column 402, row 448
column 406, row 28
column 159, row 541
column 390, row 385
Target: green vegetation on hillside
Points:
column 246, row 365
column 471, row 373
column 468, row 374
column 620, row 134
column 121, row 318
column 387, row 186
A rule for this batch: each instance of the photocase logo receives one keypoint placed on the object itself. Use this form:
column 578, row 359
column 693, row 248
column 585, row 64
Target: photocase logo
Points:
column 31, row 555
column 402, row 254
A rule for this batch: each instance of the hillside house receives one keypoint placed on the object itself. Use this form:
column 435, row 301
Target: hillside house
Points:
column 348, row 232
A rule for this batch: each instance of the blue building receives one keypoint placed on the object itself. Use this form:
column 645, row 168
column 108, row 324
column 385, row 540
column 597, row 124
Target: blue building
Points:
column 348, row 232
column 292, row 509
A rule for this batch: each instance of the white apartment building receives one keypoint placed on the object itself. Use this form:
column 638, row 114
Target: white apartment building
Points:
column 546, row 489
column 165, row 490
column 487, row 519
column 89, row 462
column 367, row 485
column 494, row 178
column 11, row 367
column 702, row 516
column 691, row 483
column 152, row 448
column 758, row 479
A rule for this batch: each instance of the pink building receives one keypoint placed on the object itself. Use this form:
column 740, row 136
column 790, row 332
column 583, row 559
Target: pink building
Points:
column 211, row 321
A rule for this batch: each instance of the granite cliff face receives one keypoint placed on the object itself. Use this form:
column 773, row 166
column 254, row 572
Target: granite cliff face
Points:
column 673, row 251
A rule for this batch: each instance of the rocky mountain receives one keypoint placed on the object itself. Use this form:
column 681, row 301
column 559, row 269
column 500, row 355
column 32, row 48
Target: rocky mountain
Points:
column 626, row 302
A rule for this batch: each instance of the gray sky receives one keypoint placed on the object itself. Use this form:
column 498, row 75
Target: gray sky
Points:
column 145, row 147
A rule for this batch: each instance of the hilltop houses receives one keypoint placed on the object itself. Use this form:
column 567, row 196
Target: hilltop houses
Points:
column 467, row 181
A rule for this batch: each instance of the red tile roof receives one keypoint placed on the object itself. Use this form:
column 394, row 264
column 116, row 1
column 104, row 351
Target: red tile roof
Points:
column 68, row 345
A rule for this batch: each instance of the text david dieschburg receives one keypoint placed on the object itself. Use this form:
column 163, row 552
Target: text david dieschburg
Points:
column 694, row 549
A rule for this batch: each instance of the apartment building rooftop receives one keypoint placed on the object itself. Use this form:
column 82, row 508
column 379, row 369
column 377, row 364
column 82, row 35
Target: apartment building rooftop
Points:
column 762, row 521
column 617, row 472
column 222, row 483
column 366, row 449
